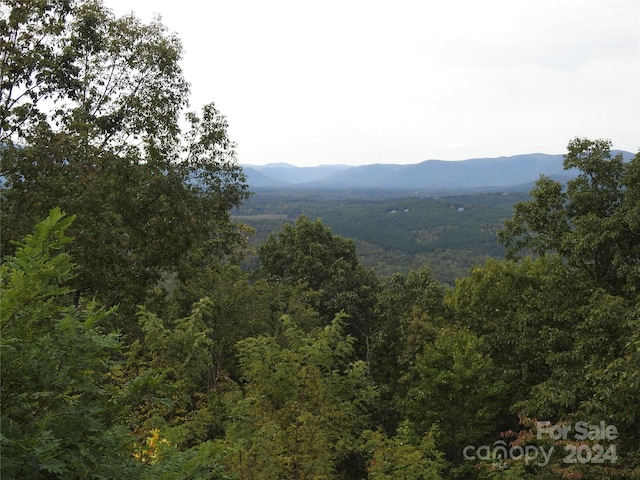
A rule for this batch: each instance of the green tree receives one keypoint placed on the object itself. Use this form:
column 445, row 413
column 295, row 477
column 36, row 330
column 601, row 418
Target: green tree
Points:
column 307, row 254
column 599, row 336
column 616, row 388
column 554, row 341
column 303, row 404
column 456, row 394
column 71, row 63
column 34, row 65
column 91, row 106
column 58, row 417
column 408, row 310
column 593, row 223
column 68, row 409
column 572, row 312
column 403, row 456
column 179, row 369
column 522, row 311
column 164, row 374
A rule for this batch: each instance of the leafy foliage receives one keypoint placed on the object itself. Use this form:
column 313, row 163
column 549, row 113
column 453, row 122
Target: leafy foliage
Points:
column 91, row 105
column 455, row 380
column 310, row 366
column 303, row 403
column 57, row 414
column 592, row 223
column 308, row 254
column 402, row 456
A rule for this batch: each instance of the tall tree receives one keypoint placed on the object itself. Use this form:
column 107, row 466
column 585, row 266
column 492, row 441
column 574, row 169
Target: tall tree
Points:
column 91, row 109
column 456, row 393
column 585, row 298
column 73, row 64
column 405, row 455
column 593, row 223
column 408, row 310
column 522, row 311
column 309, row 255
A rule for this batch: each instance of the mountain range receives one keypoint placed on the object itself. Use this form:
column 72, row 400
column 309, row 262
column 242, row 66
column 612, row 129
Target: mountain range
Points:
column 517, row 172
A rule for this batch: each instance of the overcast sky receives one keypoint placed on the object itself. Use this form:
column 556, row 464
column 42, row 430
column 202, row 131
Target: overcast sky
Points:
column 358, row 82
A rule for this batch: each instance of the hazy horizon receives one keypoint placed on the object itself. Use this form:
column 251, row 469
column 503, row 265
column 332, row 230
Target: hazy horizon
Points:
column 613, row 149
column 380, row 82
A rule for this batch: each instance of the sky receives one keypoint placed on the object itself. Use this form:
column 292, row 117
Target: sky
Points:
column 360, row 82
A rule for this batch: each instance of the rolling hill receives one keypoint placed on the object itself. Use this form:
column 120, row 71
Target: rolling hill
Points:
column 431, row 175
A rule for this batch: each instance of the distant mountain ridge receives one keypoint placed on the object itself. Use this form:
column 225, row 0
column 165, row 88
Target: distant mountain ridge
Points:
column 518, row 171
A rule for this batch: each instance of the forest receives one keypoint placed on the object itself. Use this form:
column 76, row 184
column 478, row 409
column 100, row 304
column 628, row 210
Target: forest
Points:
column 146, row 333
column 393, row 232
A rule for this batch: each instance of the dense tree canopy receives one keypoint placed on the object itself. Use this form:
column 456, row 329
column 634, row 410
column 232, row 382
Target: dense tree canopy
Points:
column 227, row 374
column 134, row 344
column 593, row 222
column 308, row 254
column 58, row 420
column 91, row 109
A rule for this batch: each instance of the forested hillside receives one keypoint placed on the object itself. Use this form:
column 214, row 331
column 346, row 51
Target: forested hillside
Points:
column 393, row 233
column 136, row 342
column 433, row 176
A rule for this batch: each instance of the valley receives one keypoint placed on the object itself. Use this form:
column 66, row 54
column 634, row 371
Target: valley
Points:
column 394, row 233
